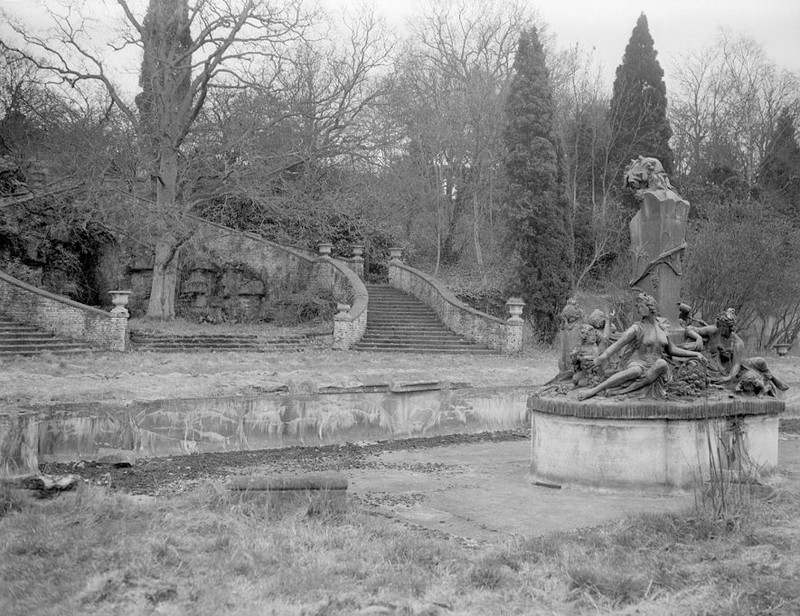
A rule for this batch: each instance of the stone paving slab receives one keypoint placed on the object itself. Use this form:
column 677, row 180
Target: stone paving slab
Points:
column 484, row 492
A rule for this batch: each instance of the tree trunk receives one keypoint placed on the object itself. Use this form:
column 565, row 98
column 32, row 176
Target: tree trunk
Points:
column 165, row 266
column 476, row 238
column 165, row 280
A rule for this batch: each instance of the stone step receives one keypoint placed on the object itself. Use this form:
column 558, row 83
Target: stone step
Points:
column 17, row 327
column 210, row 343
column 22, row 339
column 426, row 350
column 383, row 335
column 416, row 342
column 55, row 345
column 219, row 349
column 398, row 333
column 399, row 309
column 398, row 322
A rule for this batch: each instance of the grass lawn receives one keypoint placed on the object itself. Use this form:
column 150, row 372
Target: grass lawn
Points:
column 201, row 552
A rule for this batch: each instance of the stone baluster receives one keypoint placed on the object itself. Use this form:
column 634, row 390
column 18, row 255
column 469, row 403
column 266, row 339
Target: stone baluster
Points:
column 342, row 326
column 119, row 318
column 357, row 260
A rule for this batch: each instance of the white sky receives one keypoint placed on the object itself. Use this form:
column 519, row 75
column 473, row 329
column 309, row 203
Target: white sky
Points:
column 677, row 26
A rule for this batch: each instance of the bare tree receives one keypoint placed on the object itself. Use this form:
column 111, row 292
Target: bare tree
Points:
column 187, row 51
column 724, row 107
column 451, row 80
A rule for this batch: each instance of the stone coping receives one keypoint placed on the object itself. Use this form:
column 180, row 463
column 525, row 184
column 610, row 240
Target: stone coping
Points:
column 312, row 481
column 94, row 408
column 360, row 294
column 55, row 297
column 631, row 408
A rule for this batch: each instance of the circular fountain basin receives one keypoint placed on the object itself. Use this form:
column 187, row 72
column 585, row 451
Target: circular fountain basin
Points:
column 612, row 443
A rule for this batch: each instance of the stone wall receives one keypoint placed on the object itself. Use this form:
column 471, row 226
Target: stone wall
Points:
column 74, row 431
column 227, row 274
column 464, row 320
column 58, row 314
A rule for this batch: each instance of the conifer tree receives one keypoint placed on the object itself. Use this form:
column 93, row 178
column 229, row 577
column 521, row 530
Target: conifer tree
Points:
column 638, row 111
column 780, row 169
column 539, row 211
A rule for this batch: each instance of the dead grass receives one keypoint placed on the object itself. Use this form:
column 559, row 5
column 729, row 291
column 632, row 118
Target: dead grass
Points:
column 49, row 379
column 204, row 553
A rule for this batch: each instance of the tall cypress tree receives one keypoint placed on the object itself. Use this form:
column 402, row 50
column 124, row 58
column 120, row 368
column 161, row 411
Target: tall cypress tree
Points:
column 780, row 169
column 638, row 111
column 536, row 198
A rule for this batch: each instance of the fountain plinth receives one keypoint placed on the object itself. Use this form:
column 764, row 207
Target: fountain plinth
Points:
column 649, row 445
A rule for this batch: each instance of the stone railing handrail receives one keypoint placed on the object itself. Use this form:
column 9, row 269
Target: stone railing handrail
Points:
column 351, row 321
column 50, row 311
column 464, row 320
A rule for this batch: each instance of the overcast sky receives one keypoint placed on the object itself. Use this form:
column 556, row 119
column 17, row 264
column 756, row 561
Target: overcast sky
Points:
column 677, row 26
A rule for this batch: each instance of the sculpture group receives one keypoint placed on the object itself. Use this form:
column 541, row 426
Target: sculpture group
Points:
column 674, row 357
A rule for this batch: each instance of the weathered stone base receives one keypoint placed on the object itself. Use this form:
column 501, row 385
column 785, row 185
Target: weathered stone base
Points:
column 650, row 445
column 313, row 493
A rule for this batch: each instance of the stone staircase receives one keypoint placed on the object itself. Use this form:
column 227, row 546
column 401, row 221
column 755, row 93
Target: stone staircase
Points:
column 19, row 339
column 168, row 343
column 399, row 322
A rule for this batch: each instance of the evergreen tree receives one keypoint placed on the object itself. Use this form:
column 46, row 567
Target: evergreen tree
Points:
column 638, row 112
column 539, row 211
column 780, row 169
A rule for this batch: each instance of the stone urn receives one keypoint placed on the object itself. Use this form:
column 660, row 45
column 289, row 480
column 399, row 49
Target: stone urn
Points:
column 324, row 249
column 515, row 306
column 120, row 300
column 358, row 250
column 395, row 254
column 782, row 348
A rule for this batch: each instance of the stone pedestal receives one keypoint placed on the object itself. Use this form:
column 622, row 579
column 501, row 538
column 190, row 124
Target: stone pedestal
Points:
column 658, row 236
column 650, row 445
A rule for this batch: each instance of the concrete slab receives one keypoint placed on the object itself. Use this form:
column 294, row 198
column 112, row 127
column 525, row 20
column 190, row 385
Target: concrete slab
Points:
column 485, row 492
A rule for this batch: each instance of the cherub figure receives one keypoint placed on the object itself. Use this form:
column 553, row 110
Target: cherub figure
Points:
column 727, row 363
column 569, row 336
column 606, row 332
column 643, row 348
column 692, row 340
column 583, row 356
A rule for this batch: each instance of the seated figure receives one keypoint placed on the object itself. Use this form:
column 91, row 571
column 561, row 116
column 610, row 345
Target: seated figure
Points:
column 727, row 364
column 643, row 348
